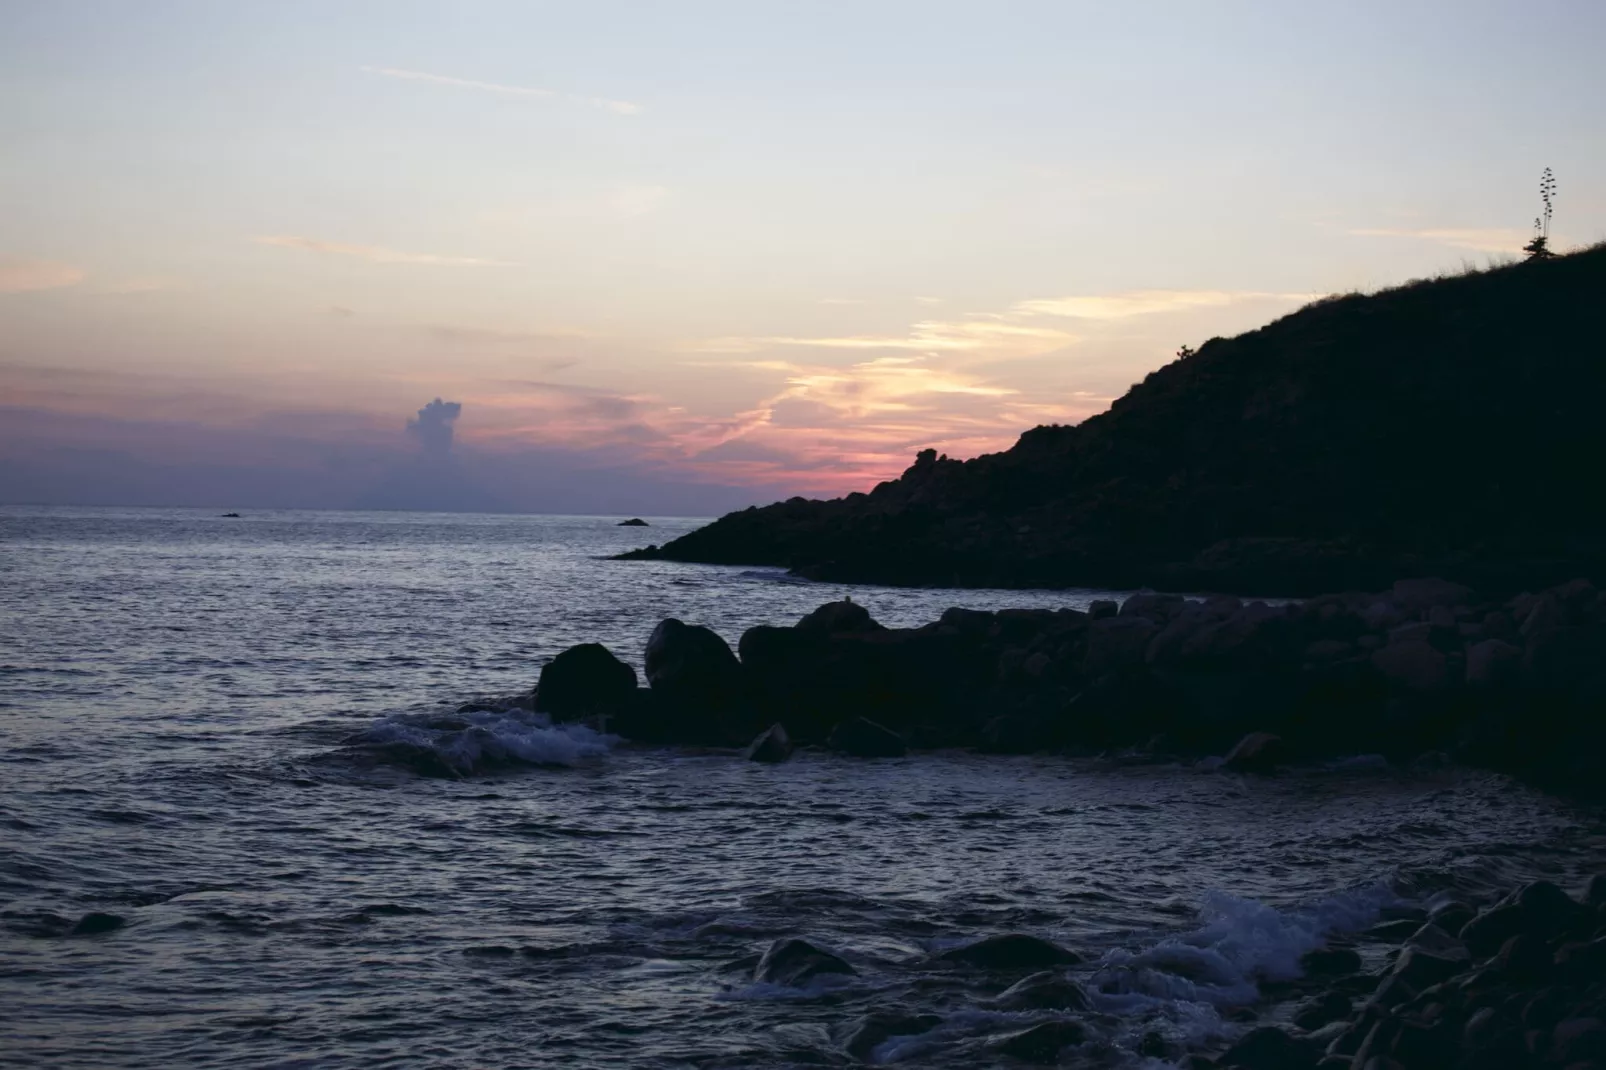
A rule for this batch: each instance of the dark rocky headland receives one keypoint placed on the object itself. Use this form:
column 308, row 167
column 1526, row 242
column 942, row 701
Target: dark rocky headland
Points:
column 1445, row 428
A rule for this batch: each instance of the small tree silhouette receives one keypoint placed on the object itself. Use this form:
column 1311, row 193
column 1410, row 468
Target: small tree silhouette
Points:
column 1539, row 248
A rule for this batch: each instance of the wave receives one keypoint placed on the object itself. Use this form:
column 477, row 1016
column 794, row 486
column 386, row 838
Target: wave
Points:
column 467, row 743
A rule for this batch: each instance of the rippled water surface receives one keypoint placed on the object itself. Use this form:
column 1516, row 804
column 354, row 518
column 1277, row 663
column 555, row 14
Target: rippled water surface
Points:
column 175, row 688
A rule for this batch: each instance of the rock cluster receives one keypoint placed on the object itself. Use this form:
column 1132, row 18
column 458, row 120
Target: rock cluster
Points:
column 1425, row 667
column 1521, row 984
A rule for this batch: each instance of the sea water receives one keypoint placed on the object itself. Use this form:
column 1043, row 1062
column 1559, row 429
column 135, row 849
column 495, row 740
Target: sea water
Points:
column 183, row 699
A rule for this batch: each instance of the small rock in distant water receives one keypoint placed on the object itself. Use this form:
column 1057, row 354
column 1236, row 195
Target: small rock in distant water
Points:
column 95, row 923
column 1012, row 951
column 633, row 522
column 795, row 962
column 229, row 516
column 772, row 745
column 863, row 738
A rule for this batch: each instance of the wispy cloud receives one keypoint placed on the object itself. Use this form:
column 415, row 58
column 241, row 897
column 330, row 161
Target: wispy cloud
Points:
column 1142, row 303
column 1477, row 239
column 376, row 253
column 617, row 107
column 927, row 336
column 23, row 276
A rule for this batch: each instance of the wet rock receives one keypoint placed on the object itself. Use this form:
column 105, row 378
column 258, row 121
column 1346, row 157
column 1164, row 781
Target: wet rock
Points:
column 1452, row 916
column 874, row 1030
column 1101, row 608
column 1012, row 951
column 1258, row 752
column 835, row 618
column 1492, row 662
column 1580, row 962
column 1330, row 962
column 1042, row 1043
column 863, row 738
column 1524, row 958
column 1116, row 643
column 1271, row 1048
column 1414, row 664
column 1595, row 892
column 1322, row 1010
column 1044, row 991
column 1419, row 968
column 698, row 683
column 1434, row 940
column 1578, row 1039
column 794, row 962
column 1484, row 934
column 95, row 923
column 772, row 745
column 583, row 681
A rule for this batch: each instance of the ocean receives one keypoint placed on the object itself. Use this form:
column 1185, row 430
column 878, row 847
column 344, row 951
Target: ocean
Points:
column 185, row 701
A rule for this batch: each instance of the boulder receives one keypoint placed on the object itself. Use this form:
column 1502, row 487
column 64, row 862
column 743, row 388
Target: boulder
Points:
column 1492, row 662
column 794, row 962
column 772, row 745
column 1012, row 951
column 1330, row 962
column 835, row 618
column 698, row 682
column 1422, row 969
column 1413, row 664
column 1418, row 597
column 1258, row 752
column 1271, row 1048
column 1576, row 1040
column 864, row 738
column 1322, row 1010
column 1101, row 608
column 1157, row 607
column 1041, row 1043
column 1043, row 991
column 1115, row 643
column 874, row 1030
column 584, row 681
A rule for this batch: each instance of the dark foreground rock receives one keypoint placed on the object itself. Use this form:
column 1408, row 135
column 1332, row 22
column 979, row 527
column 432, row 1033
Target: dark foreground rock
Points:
column 863, row 738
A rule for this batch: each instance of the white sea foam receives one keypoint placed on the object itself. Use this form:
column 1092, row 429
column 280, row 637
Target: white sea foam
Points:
column 471, row 742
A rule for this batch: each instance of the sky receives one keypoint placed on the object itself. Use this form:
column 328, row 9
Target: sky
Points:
column 678, row 258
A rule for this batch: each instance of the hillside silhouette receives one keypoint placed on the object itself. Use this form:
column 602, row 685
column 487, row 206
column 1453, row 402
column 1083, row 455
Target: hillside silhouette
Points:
column 1452, row 426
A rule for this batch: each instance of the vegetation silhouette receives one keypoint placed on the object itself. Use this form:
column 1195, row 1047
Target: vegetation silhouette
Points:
column 1449, row 426
column 1539, row 247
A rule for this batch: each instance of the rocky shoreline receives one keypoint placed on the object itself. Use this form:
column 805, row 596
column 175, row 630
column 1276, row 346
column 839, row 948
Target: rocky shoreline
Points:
column 1426, row 669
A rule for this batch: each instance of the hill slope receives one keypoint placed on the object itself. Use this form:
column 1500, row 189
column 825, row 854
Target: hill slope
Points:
column 1453, row 426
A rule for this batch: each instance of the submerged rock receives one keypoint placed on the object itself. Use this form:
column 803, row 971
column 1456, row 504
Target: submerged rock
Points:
column 1012, row 951
column 583, row 681
column 1040, row 1044
column 874, row 1030
column 794, row 962
column 772, row 745
column 1044, row 991
column 863, row 738
column 95, row 923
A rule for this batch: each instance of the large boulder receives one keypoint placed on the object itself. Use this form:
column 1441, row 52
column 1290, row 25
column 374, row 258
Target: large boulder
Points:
column 835, row 618
column 795, row 962
column 1414, row 665
column 1042, row 991
column 698, row 683
column 1492, row 662
column 1115, row 643
column 584, row 681
column 864, row 738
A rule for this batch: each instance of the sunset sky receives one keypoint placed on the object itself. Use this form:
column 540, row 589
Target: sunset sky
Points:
column 680, row 257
